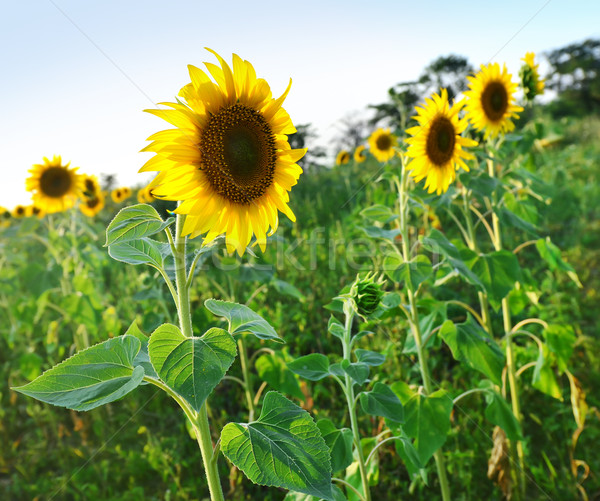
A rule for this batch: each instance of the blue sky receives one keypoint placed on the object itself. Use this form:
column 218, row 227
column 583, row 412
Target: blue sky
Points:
column 77, row 75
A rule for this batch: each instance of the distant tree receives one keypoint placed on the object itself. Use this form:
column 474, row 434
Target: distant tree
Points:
column 447, row 72
column 353, row 130
column 575, row 76
column 303, row 138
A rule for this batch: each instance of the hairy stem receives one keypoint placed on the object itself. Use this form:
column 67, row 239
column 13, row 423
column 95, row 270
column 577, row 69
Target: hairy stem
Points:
column 198, row 420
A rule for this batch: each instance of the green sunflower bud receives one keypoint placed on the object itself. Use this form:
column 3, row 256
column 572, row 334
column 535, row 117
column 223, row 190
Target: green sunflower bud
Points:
column 366, row 293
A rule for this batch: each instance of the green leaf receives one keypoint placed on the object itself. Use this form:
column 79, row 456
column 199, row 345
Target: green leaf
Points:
column 412, row 273
column 339, row 443
column 313, row 367
column 338, row 495
column 358, row 371
column 560, row 339
column 508, row 217
column 382, row 401
column 335, row 327
column 380, row 213
column 437, row 242
column 93, row 377
column 273, row 370
column 242, row 319
column 142, row 358
column 499, row 413
column 471, row 345
column 544, row 378
column 553, row 256
column 284, row 448
column 410, row 457
column 498, row 271
column 427, row 420
column 287, row 289
column 142, row 251
column 376, row 232
column 191, row 366
column 135, row 222
column 371, row 358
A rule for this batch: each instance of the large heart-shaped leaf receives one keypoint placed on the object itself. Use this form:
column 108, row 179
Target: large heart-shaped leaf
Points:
column 191, row 366
column 498, row 271
column 242, row 319
column 427, row 420
column 382, row 401
column 284, row 448
column 471, row 345
column 313, row 367
column 95, row 376
column 135, row 222
column 412, row 273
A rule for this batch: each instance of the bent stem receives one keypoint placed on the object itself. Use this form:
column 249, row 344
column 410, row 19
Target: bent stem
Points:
column 515, row 446
column 198, row 420
column 402, row 187
column 350, row 399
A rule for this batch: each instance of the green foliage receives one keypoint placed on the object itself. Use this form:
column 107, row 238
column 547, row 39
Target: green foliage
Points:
column 284, row 448
column 135, row 222
column 191, row 367
column 96, row 376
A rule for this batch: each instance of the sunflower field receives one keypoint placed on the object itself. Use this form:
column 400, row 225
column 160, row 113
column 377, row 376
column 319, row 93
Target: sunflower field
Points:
column 414, row 319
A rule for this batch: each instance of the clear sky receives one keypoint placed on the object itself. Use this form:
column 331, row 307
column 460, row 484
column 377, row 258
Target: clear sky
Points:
column 76, row 75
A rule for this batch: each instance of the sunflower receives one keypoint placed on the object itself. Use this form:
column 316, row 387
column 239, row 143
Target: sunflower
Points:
column 55, row 186
column 37, row 211
column 436, row 148
column 342, row 158
column 490, row 100
column 119, row 195
column 532, row 83
column 382, row 144
column 19, row 211
column 5, row 217
column 91, row 187
column 91, row 206
column 359, row 154
column 144, row 195
column 228, row 161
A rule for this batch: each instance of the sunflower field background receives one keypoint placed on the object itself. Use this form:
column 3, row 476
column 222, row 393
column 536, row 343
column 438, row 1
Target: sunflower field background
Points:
column 61, row 292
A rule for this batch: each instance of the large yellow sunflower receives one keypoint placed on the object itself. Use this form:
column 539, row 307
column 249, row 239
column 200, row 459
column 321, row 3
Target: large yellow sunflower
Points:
column 490, row 105
column 382, row 144
column 359, row 154
column 436, row 148
column 228, row 161
column 342, row 158
column 533, row 85
column 55, row 186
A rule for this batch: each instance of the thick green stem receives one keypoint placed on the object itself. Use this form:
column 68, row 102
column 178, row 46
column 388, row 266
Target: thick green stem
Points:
column 349, row 387
column 515, row 446
column 247, row 377
column 198, row 420
column 414, row 322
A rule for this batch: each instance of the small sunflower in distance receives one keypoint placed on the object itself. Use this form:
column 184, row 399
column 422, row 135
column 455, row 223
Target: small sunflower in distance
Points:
column 19, row 211
column 359, row 154
column 342, row 158
column 55, row 186
column 382, row 144
column 37, row 211
column 91, row 186
column 228, row 161
column 436, row 148
column 490, row 105
column 119, row 195
column 5, row 217
column 91, row 206
column 532, row 83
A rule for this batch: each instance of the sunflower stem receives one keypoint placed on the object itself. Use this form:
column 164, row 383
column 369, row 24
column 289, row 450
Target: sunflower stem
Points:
column 349, row 392
column 198, row 420
column 402, row 186
column 246, row 377
column 516, row 447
